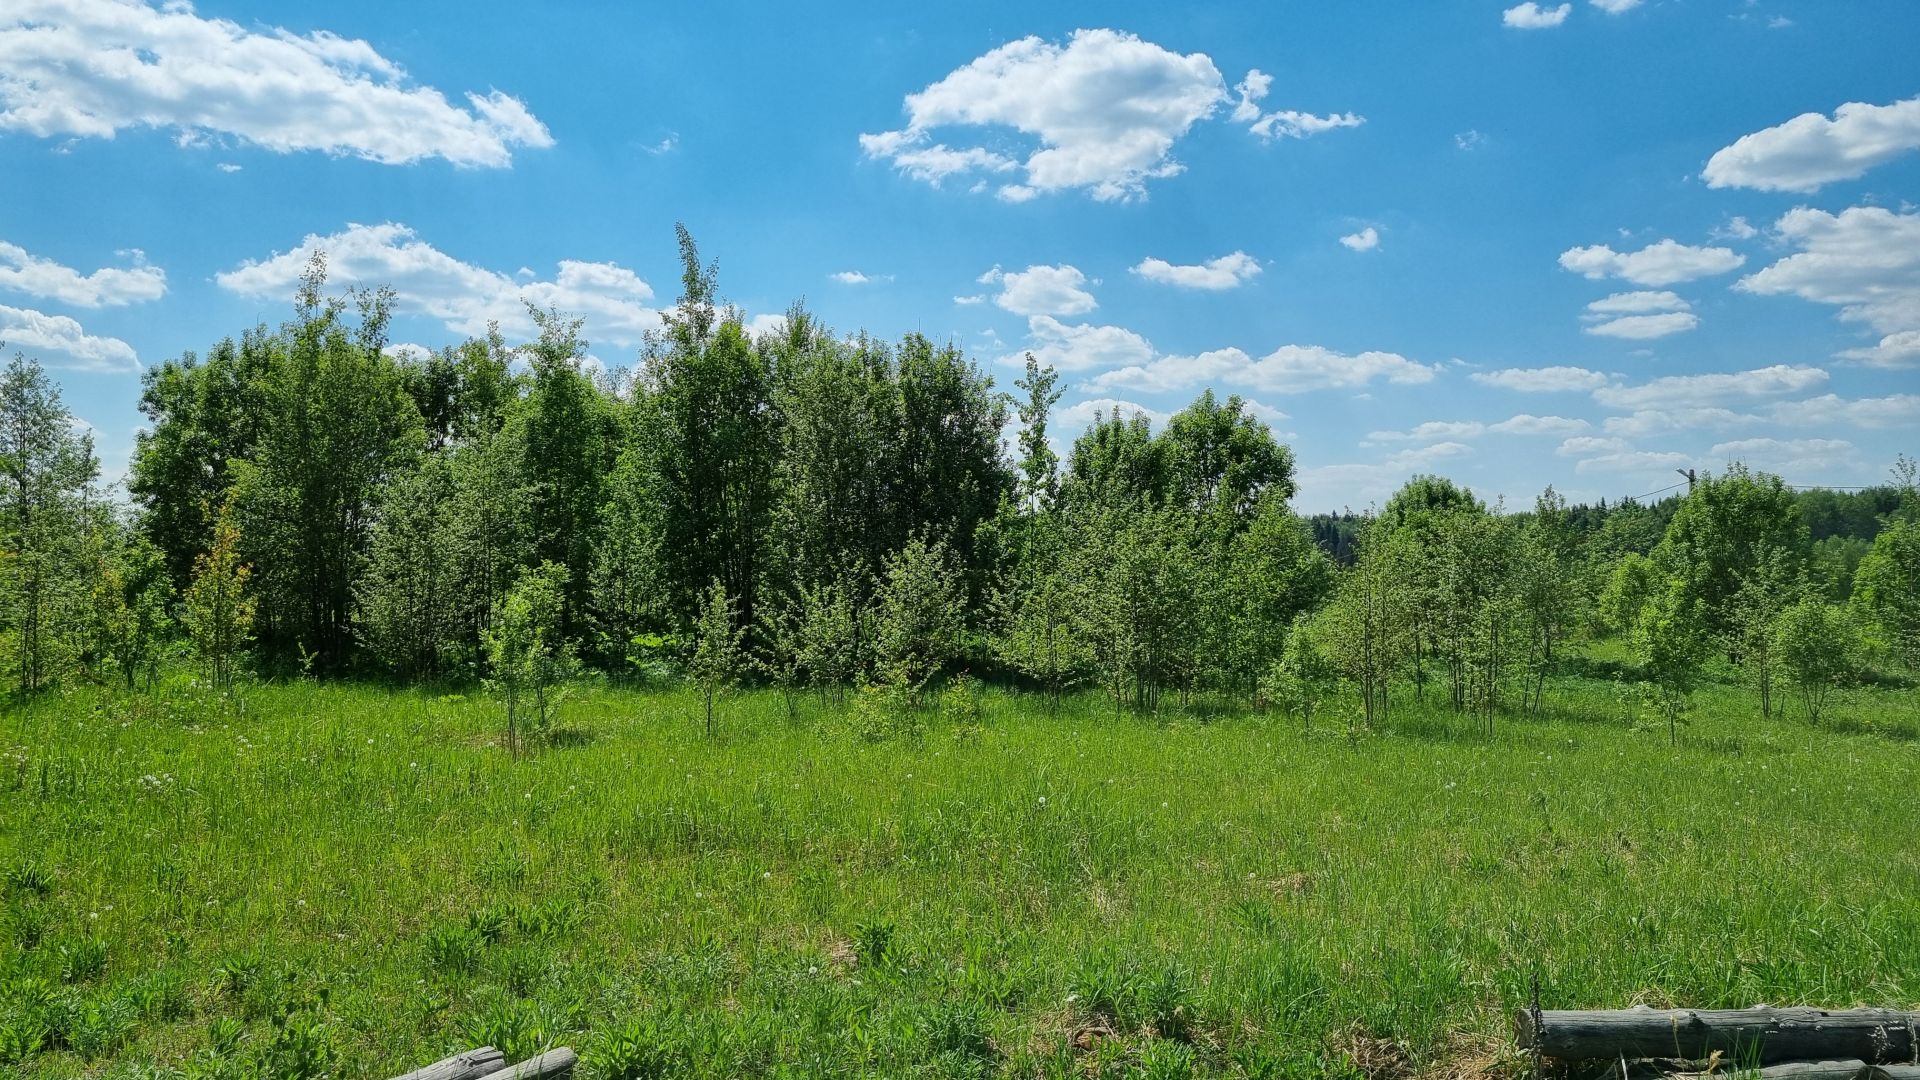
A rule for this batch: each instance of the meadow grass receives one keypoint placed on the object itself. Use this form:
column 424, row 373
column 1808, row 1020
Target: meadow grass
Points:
column 359, row 879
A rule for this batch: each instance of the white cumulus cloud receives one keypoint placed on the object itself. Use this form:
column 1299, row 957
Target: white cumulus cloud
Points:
column 1664, row 263
column 59, row 342
column 428, row 282
column 1541, row 380
column 1812, row 150
column 1105, row 110
column 1531, row 16
column 93, row 68
column 1282, row 123
column 1864, row 260
column 1365, row 240
column 106, row 287
column 1290, row 369
column 1082, row 347
column 1225, row 272
column 1041, row 290
column 1101, row 113
column 1711, row 390
column 1645, row 327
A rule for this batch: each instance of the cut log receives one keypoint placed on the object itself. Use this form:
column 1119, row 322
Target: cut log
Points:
column 1894, row 1072
column 550, row 1064
column 467, row 1065
column 1786, row 1070
column 1763, row 1036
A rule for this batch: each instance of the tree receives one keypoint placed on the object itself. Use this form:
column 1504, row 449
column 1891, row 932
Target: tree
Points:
column 718, row 658
column 131, row 592
column 1721, row 534
column 1140, row 579
column 219, row 608
column 1887, row 588
column 833, row 639
column 1632, row 585
column 919, row 615
column 1545, row 584
column 1764, row 593
column 567, row 440
column 409, row 608
column 782, row 648
column 1041, row 635
column 1262, row 578
column 1820, row 648
column 202, row 417
column 707, row 420
column 1303, row 674
column 1671, row 641
column 46, row 468
column 336, row 422
column 1039, row 465
column 1221, row 460
column 527, row 651
column 1366, row 630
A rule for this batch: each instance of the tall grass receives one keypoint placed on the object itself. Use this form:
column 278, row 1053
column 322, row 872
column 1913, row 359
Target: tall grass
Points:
column 355, row 879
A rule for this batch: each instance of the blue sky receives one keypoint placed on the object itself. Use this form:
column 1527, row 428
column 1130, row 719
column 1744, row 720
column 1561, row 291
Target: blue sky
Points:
column 1581, row 244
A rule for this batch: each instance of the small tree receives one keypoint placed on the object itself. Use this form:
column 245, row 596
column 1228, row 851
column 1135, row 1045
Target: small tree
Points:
column 219, row 608
column 1304, row 674
column 526, row 649
column 1671, row 641
column 1820, row 647
column 781, row 645
column 1764, row 593
column 1887, row 587
column 921, row 608
column 718, row 657
column 832, row 644
column 1634, row 582
column 131, row 591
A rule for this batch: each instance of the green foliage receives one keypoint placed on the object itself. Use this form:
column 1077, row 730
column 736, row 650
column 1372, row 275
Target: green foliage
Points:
column 1303, row 675
column 527, row 653
column 46, row 470
column 1671, row 640
column 1722, row 534
column 1887, row 588
column 920, row 614
column 719, row 659
column 131, row 594
column 219, row 609
column 409, row 612
column 1631, row 586
column 336, row 421
column 1820, row 647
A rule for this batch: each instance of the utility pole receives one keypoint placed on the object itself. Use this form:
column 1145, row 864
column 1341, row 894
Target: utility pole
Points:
column 1688, row 473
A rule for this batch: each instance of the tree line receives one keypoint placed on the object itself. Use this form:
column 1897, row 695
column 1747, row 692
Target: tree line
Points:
column 809, row 510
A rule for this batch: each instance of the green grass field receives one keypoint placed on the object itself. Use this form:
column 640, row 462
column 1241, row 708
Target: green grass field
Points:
column 359, row 880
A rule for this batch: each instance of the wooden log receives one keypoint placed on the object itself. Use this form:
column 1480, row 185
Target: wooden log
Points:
column 1786, row 1070
column 550, row 1064
column 1763, row 1036
column 1894, row 1072
column 466, row 1065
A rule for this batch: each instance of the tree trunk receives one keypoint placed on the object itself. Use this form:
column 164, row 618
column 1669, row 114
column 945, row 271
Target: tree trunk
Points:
column 1760, row 1035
